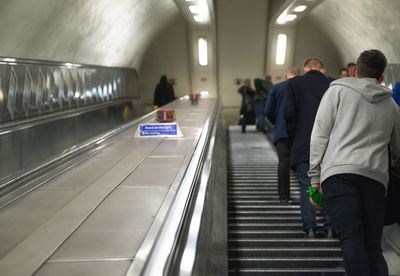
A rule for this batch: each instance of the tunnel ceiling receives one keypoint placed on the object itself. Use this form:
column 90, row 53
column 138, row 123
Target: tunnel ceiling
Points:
column 117, row 33
column 358, row 25
column 102, row 32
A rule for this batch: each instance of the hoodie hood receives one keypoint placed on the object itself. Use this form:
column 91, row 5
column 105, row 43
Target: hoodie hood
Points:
column 369, row 88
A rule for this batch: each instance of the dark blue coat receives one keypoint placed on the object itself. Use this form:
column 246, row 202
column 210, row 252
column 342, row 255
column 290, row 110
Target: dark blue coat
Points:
column 396, row 93
column 302, row 101
column 275, row 109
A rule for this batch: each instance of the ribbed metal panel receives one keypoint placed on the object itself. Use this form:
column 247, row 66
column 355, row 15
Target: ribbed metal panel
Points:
column 265, row 237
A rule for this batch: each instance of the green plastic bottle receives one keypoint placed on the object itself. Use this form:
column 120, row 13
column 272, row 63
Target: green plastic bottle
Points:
column 316, row 195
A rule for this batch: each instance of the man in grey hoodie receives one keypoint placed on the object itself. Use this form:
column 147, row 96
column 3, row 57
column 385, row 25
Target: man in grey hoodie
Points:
column 356, row 121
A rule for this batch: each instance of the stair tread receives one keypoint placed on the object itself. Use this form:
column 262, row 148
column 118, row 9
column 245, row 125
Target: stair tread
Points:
column 264, row 236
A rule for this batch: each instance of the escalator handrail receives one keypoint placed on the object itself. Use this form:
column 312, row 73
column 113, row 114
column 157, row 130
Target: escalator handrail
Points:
column 15, row 60
column 162, row 254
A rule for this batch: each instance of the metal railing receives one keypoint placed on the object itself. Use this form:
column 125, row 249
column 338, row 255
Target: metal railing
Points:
column 187, row 237
column 30, row 88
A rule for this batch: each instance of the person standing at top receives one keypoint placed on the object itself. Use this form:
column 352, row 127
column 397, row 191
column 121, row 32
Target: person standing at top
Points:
column 274, row 109
column 343, row 73
column 303, row 96
column 356, row 121
column 262, row 87
column 247, row 105
column 350, row 69
column 164, row 93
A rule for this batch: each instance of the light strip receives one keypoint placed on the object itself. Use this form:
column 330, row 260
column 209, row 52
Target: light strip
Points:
column 203, row 52
column 194, row 9
column 300, row 8
column 200, row 11
column 281, row 49
column 290, row 17
column 199, row 18
column 281, row 19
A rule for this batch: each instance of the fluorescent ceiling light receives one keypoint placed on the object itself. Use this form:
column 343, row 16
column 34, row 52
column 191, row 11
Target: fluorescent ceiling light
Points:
column 300, row 8
column 284, row 18
column 281, row 49
column 281, row 19
column 200, row 11
column 199, row 18
column 203, row 52
column 291, row 17
column 194, row 9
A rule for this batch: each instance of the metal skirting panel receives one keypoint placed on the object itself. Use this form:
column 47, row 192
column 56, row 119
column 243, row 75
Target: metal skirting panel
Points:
column 28, row 146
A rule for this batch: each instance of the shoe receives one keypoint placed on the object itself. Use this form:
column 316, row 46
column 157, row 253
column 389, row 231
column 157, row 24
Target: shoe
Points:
column 294, row 202
column 310, row 234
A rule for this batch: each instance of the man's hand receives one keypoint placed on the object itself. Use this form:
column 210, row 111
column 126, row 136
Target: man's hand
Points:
column 315, row 205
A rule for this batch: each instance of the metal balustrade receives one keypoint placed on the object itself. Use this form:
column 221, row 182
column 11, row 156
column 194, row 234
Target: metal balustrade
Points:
column 30, row 88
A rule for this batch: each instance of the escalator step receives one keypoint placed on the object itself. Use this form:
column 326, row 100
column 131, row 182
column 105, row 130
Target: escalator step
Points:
column 264, row 236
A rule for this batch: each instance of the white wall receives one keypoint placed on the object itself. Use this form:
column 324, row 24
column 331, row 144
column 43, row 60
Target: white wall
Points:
column 102, row 32
column 167, row 54
column 358, row 25
column 311, row 41
column 241, row 44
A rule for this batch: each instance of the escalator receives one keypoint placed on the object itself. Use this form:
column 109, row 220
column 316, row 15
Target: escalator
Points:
column 265, row 237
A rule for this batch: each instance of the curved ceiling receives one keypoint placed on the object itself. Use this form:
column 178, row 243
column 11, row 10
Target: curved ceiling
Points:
column 117, row 33
column 102, row 32
column 358, row 25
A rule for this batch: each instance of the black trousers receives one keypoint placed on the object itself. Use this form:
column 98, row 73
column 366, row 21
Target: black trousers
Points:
column 246, row 118
column 355, row 204
column 283, row 149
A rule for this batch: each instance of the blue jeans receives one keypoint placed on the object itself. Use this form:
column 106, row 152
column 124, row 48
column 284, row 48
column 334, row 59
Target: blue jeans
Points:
column 259, row 110
column 356, row 205
column 307, row 210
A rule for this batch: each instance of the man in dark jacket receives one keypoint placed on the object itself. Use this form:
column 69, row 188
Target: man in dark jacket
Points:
column 274, row 109
column 262, row 87
column 164, row 92
column 247, row 105
column 302, row 100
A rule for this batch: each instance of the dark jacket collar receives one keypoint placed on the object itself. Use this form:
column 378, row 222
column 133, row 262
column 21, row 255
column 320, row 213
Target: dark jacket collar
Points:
column 314, row 72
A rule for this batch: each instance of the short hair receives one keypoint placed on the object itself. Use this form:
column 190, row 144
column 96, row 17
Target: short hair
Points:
column 314, row 63
column 350, row 64
column 371, row 64
column 343, row 69
column 294, row 71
